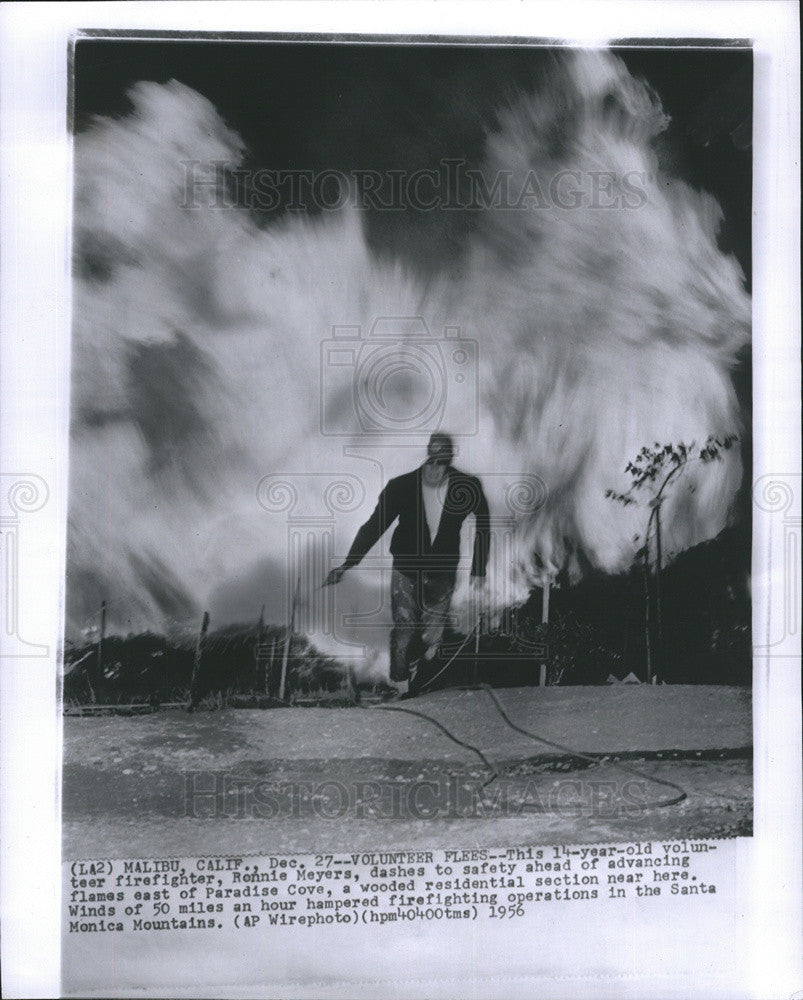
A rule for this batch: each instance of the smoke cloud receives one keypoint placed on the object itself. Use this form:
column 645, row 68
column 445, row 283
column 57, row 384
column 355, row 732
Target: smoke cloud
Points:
column 596, row 315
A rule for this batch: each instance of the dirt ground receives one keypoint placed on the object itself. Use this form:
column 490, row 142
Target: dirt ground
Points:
column 243, row 781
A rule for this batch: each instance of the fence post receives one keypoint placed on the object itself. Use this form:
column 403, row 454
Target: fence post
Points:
column 259, row 658
column 199, row 648
column 475, row 674
column 544, row 621
column 647, row 623
column 350, row 692
column 659, row 627
column 99, row 667
column 288, row 639
column 269, row 670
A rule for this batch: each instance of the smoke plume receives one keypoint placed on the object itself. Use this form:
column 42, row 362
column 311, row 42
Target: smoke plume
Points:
column 598, row 312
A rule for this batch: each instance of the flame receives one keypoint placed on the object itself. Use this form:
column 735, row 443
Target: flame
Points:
column 199, row 367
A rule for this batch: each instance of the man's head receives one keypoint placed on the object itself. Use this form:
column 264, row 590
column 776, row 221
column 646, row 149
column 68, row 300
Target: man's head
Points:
column 440, row 452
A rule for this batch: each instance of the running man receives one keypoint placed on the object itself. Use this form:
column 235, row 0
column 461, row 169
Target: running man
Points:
column 431, row 503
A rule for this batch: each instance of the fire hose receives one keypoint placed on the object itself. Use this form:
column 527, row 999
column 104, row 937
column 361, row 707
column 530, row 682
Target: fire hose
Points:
column 678, row 797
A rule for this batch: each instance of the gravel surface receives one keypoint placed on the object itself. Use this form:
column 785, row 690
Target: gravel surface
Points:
column 305, row 780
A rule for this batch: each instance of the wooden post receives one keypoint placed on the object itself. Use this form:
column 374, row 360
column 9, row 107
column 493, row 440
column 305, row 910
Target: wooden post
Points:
column 355, row 691
column 199, row 648
column 350, row 693
column 476, row 677
column 269, row 669
column 647, row 615
column 260, row 645
column 101, row 637
column 288, row 637
column 269, row 672
column 659, row 631
column 87, row 672
column 544, row 621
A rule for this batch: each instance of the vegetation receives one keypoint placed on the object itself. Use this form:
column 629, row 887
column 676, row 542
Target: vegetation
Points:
column 596, row 629
column 236, row 660
column 652, row 473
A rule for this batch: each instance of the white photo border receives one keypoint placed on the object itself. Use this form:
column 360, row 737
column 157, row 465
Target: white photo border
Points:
column 35, row 310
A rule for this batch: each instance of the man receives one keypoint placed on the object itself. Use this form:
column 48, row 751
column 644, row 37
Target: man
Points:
column 431, row 503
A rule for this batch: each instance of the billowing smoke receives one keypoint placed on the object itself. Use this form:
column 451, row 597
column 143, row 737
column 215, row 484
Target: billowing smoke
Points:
column 215, row 362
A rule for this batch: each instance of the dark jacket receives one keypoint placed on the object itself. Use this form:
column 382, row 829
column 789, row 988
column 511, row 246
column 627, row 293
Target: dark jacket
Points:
column 411, row 545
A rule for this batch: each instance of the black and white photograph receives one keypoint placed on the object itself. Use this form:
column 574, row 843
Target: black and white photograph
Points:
column 410, row 419
column 426, row 571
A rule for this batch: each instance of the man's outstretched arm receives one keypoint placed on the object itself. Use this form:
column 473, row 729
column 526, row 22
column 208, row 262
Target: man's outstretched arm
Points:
column 385, row 513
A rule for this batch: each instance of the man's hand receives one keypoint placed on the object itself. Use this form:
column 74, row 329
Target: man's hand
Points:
column 335, row 576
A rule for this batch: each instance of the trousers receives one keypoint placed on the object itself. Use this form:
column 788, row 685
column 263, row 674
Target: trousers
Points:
column 419, row 604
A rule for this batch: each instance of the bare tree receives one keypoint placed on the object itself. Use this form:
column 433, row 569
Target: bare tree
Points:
column 652, row 473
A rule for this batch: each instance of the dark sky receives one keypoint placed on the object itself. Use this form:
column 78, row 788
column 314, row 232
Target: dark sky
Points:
column 354, row 106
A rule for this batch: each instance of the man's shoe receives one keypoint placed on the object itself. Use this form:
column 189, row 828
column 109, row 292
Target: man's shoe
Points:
column 415, row 687
column 400, row 691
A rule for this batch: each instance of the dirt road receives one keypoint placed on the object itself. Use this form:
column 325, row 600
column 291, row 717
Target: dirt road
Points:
column 311, row 780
